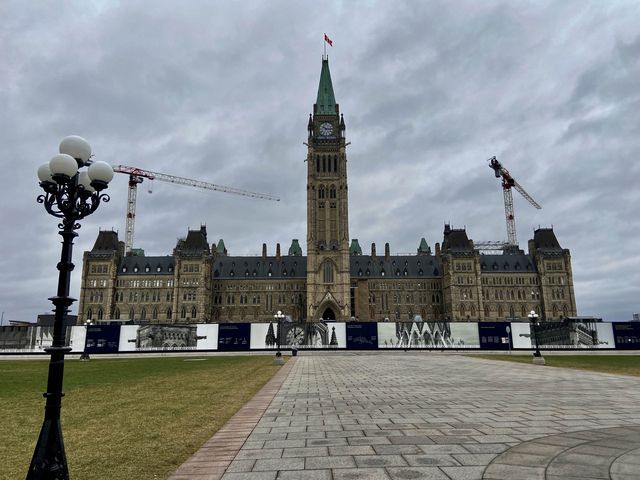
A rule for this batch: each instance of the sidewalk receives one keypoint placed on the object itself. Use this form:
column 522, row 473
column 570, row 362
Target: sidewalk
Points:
column 427, row 416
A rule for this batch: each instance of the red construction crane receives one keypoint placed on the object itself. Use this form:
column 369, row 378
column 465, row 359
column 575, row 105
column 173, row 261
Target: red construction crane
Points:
column 137, row 175
column 507, row 182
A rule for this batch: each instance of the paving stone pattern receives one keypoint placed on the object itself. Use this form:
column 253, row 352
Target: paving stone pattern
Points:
column 429, row 416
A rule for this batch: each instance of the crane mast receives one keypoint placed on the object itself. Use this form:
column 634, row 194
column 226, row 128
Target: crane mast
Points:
column 137, row 176
column 509, row 182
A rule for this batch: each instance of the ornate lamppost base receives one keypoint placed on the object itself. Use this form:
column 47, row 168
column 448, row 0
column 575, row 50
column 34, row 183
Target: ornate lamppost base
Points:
column 279, row 359
column 538, row 360
column 84, row 357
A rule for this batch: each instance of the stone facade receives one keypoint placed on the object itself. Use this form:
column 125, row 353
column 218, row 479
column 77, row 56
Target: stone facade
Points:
column 201, row 282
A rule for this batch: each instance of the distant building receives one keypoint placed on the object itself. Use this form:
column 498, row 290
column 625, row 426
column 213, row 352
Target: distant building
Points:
column 201, row 282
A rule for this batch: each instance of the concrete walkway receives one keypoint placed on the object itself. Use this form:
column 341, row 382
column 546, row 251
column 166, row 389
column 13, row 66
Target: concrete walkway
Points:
column 429, row 416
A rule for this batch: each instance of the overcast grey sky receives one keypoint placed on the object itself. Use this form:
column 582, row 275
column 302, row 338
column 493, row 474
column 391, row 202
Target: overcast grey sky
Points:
column 221, row 92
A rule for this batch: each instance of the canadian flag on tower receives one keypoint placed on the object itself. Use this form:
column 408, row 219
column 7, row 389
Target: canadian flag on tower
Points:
column 328, row 40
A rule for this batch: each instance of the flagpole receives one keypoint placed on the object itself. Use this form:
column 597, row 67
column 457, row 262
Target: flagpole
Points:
column 324, row 43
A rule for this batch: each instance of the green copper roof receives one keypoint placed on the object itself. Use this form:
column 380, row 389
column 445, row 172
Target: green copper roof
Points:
column 295, row 249
column 424, row 247
column 326, row 101
column 355, row 249
column 221, row 249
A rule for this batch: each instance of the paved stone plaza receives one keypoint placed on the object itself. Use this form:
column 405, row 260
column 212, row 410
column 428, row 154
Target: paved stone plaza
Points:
column 429, row 416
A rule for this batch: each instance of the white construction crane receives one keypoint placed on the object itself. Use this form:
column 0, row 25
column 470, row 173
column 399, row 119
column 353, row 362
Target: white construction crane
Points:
column 137, row 175
column 507, row 182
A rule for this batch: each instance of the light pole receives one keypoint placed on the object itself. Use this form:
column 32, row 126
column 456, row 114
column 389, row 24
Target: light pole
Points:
column 70, row 195
column 85, row 356
column 538, row 359
column 279, row 316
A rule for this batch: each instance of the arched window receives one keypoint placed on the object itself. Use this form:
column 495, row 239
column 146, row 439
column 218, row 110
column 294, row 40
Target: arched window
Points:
column 324, row 163
column 555, row 310
column 321, row 192
column 169, row 313
column 500, row 311
column 487, row 312
column 328, row 272
column 463, row 311
column 193, row 312
column 523, row 311
column 89, row 314
column 473, row 310
column 100, row 314
column 116, row 314
column 131, row 314
column 143, row 314
column 154, row 315
column 335, row 163
column 332, row 191
column 318, row 163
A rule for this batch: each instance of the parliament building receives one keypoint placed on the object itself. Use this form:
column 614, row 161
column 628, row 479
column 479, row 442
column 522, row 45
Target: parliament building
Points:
column 200, row 282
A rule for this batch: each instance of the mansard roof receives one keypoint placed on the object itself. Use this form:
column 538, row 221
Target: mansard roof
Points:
column 456, row 240
column 367, row 266
column 134, row 265
column 511, row 263
column 195, row 243
column 260, row 268
column 545, row 239
column 107, row 242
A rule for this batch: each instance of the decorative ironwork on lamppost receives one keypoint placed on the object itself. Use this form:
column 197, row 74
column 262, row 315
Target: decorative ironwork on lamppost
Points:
column 533, row 320
column 279, row 316
column 71, row 195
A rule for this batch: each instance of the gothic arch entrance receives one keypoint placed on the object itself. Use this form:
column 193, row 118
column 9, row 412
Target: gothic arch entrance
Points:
column 328, row 314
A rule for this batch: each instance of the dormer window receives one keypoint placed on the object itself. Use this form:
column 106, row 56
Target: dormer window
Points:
column 158, row 268
column 147, row 269
column 124, row 269
column 135, row 269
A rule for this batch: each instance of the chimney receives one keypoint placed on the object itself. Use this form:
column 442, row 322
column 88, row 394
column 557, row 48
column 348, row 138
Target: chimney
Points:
column 373, row 249
column 437, row 249
column 264, row 250
column 278, row 251
column 387, row 251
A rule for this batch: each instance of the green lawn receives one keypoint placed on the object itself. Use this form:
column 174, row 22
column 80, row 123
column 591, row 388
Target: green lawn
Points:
column 620, row 364
column 125, row 418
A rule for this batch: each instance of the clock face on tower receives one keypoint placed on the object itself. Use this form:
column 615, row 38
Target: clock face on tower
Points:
column 326, row 129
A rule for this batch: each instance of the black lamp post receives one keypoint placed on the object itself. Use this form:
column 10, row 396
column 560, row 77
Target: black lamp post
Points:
column 533, row 320
column 279, row 316
column 71, row 195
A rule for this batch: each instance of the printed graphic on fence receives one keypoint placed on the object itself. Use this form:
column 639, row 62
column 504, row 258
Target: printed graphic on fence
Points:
column 415, row 335
column 154, row 337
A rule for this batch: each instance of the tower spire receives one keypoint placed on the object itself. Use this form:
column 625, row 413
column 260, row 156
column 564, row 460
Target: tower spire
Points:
column 326, row 101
